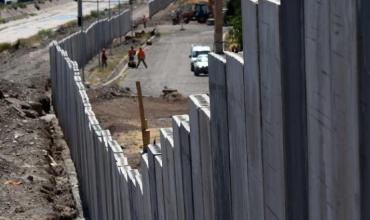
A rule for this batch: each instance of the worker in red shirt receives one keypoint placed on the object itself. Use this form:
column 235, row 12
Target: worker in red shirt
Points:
column 141, row 58
column 144, row 21
column 104, row 58
column 131, row 57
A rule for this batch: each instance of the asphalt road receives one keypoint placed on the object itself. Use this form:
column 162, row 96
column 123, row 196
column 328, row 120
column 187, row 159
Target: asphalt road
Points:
column 169, row 64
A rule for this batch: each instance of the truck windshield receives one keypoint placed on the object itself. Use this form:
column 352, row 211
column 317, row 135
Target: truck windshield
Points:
column 197, row 53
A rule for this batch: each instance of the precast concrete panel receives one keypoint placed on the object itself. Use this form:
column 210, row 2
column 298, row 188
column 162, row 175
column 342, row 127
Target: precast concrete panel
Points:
column 132, row 192
column 153, row 150
column 144, row 170
column 207, row 166
column 219, row 136
column 125, row 193
column 104, row 171
column 169, row 183
column 294, row 107
column 115, row 152
column 176, row 123
column 364, row 103
column 332, row 100
column 159, row 187
column 196, row 102
column 271, row 109
column 237, row 136
column 253, row 107
column 139, row 195
column 186, row 166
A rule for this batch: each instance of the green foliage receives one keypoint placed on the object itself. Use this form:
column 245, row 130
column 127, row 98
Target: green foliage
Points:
column 14, row 6
column 233, row 17
column 236, row 32
column 5, row 46
column 45, row 33
column 95, row 14
column 21, row 5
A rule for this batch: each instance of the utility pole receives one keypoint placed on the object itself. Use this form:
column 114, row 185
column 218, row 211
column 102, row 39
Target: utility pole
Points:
column 110, row 27
column 131, row 17
column 219, row 22
column 119, row 12
column 80, row 23
column 182, row 15
column 97, row 36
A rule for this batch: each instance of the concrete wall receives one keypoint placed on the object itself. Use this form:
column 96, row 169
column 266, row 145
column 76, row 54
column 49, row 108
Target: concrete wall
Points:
column 283, row 133
column 83, row 46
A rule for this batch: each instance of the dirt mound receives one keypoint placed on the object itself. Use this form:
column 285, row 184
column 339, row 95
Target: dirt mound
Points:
column 31, row 186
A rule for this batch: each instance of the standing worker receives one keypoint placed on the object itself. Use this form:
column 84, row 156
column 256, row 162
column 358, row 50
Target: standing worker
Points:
column 144, row 21
column 131, row 57
column 141, row 58
column 104, row 58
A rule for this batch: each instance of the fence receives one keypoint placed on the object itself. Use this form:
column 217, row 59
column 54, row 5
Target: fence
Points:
column 283, row 134
column 83, row 46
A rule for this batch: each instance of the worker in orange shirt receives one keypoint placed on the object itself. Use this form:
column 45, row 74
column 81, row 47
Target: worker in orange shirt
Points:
column 141, row 58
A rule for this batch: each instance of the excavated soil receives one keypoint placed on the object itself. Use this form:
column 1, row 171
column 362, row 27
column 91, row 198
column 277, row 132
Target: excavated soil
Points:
column 118, row 111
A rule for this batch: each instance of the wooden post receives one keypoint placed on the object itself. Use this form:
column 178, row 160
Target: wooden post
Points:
column 144, row 122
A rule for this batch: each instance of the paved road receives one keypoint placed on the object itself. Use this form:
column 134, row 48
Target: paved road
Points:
column 169, row 64
column 49, row 18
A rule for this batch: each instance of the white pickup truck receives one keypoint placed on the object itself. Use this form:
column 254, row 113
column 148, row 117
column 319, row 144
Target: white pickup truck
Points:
column 196, row 50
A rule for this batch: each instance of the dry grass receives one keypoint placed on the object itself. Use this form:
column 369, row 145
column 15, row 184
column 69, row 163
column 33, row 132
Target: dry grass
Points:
column 98, row 74
column 133, row 143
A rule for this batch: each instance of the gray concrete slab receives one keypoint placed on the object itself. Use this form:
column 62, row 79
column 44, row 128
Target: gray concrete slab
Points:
column 207, row 162
column 159, row 187
column 153, row 150
column 126, row 209
column 169, row 182
column 364, row 92
column 139, row 195
column 237, row 136
column 144, row 170
column 176, row 123
column 186, row 165
column 294, row 107
column 271, row 109
column 252, row 95
column 164, row 132
column 332, row 82
column 220, row 136
column 196, row 102
column 133, row 187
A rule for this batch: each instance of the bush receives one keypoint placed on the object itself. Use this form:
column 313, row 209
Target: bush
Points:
column 5, row 46
column 236, row 32
column 14, row 6
column 45, row 33
column 94, row 14
column 21, row 5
